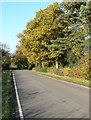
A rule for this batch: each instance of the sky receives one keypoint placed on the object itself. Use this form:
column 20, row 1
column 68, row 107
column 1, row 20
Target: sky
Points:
column 15, row 16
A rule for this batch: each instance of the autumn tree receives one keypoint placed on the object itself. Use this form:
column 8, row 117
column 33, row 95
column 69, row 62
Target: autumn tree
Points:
column 19, row 59
column 55, row 34
column 39, row 33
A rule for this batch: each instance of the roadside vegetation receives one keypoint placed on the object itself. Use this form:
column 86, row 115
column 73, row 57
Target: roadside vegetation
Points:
column 6, row 80
column 6, row 90
column 6, row 56
column 8, row 94
column 58, row 41
column 83, row 82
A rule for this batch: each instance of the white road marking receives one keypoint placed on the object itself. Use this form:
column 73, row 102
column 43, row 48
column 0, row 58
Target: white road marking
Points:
column 18, row 101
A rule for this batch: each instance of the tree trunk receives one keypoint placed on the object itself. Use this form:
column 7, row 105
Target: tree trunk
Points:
column 56, row 62
column 43, row 65
column 36, row 64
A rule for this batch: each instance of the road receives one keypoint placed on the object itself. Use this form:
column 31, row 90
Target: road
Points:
column 45, row 97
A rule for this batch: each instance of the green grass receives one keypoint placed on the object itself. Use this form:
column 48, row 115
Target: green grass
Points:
column 0, row 94
column 69, row 79
column 6, row 87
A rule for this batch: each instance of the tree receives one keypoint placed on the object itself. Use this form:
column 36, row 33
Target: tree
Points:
column 55, row 34
column 70, row 37
column 39, row 33
column 6, row 57
column 75, row 36
column 20, row 60
column 86, row 22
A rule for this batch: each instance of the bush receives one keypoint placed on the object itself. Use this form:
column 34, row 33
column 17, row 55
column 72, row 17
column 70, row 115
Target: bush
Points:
column 31, row 66
column 40, row 69
column 82, row 70
column 53, row 70
column 66, row 71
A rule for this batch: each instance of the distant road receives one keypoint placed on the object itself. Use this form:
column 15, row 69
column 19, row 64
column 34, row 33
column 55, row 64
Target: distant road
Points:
column 46, row 97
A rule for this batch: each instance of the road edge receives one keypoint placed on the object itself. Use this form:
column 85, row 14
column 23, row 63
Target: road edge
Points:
column 48, row 76
column 17, row 98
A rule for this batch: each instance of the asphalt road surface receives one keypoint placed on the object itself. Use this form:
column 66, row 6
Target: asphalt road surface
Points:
column 45, row 97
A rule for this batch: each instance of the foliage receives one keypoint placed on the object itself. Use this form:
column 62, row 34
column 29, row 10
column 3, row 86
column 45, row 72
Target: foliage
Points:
column 56, row 71
column 31, row 66
column 60, row 36
column 20, row 60
column 6, row 58
column 39, row 33
column 6, row 88
column 41, row 69
column 82, row 70
column 69, row 79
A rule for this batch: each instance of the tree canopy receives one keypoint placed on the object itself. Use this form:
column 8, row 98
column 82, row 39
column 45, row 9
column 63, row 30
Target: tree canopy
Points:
column 5, row 56
column 58, row 34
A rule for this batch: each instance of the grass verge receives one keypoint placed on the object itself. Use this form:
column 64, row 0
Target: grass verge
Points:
column 6, row 87
column 9, row 104
column 69, row 79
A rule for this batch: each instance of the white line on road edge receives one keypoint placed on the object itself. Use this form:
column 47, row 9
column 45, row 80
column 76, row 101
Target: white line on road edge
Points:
column 18, row 101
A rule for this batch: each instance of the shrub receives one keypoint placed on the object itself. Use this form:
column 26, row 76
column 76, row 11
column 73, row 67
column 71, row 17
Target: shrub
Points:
column 66, row 71
column 40, row 69
column 53, row 70
column 82, row 70
column 31, row 66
